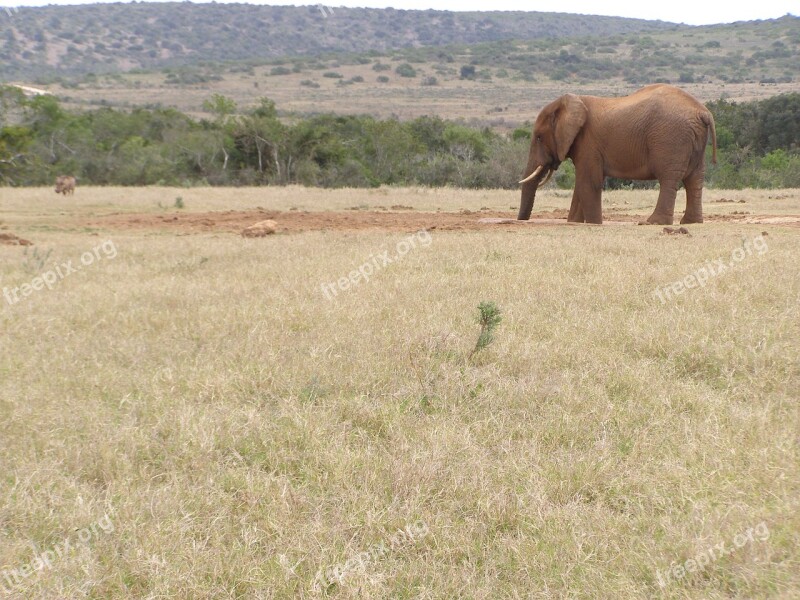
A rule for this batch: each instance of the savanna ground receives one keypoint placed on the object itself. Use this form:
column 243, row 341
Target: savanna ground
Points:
column 197, row 418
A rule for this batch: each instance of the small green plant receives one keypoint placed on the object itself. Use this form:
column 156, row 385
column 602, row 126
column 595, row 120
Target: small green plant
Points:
column 34, row 260
column 488, row 318
column 179, row 202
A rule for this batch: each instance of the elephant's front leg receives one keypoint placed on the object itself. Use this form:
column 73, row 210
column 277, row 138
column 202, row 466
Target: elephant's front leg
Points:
column 575, row 209
column 586, row 204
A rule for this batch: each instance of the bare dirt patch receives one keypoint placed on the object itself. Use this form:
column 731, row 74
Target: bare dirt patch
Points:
column 9, row 239
column 233, row 221
column 299, row 221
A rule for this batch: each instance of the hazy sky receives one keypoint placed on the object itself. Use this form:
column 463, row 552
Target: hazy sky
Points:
column 694, row 12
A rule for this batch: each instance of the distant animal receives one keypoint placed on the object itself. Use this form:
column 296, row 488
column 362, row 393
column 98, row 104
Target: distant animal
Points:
column 65, row 184
column 659, row 132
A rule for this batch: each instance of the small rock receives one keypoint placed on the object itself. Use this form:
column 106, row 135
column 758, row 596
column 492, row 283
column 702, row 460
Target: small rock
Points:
column 260, row 229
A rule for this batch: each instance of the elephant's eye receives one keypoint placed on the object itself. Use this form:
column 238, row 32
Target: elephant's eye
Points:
column 538, row 138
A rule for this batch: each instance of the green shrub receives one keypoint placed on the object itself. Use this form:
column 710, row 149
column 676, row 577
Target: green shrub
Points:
column 468, row 72
column 406, row 70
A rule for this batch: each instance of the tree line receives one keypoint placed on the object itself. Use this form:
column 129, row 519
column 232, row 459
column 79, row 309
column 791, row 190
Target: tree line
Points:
column 40, row 139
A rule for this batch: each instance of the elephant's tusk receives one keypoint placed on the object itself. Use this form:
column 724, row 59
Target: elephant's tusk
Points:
column 546, row 179
column 532, row 175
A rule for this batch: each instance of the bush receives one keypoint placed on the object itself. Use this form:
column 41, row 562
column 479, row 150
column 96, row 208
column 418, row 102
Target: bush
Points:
column 468, row 72
column 406, row 70
column 430, row 81
column 565, row 176
column 333, row 75
column 280, row 71
column 382, row 79
column 378, row 66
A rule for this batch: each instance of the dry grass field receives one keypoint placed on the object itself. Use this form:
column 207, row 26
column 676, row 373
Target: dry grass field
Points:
column 502, row 103
column 186, row 413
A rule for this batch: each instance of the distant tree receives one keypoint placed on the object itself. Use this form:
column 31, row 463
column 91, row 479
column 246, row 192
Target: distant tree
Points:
column 220, row 106
column 468, row 72
column 406, row 70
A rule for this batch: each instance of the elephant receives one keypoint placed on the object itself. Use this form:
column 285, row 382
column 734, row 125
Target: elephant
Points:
column 65, row 184
column 659, row 132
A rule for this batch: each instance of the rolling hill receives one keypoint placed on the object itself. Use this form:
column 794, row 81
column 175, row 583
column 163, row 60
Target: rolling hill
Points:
column 103, row 38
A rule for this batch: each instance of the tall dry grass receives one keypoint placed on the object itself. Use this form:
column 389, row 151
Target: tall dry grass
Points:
column 243, row 433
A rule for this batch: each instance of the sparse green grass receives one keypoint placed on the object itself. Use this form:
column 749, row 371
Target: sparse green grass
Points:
column 243, row 432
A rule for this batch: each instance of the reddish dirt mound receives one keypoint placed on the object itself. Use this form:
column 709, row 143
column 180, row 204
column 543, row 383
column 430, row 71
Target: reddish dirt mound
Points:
column 9, row 239
column 407, row 221
column 297, row 221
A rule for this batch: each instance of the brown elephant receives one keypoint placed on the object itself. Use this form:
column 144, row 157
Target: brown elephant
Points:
column 659, row 132
column 65, row 184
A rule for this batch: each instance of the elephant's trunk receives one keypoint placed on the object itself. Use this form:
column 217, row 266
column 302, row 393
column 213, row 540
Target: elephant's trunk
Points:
column 529, row 186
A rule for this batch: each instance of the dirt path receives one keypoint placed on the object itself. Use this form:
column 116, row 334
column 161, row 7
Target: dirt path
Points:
column 356, row 220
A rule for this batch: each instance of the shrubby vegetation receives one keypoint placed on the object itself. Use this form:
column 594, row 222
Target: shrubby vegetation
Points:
column 757, row 142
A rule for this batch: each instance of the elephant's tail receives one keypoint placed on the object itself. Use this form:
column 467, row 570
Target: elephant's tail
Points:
column 708, row 119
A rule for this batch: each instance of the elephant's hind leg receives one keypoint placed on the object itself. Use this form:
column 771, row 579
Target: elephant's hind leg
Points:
column 665, row 208
column 694, row 197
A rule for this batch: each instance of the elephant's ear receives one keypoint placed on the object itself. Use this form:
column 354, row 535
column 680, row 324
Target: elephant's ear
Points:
column 570, row 118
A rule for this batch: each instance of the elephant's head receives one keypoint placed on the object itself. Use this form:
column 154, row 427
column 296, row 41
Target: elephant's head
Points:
column 555, row 130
